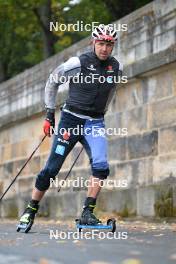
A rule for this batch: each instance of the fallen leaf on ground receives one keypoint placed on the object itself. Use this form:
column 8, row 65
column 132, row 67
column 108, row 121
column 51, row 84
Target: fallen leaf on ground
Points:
column 40, row 243
column 61, row 241
column 158, row 235
column 131, row 261
column 78, row 242
column 43, row 261
column 173, row 257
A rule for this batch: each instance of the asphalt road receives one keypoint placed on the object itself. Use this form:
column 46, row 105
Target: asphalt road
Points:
column 51, row 243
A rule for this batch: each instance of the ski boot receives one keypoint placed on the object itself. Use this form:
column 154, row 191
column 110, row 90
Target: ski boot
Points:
column 88, row 218
column 27, row 219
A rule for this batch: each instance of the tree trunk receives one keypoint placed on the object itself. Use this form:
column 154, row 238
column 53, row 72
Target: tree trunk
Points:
column 3, row 75
column 43, row 14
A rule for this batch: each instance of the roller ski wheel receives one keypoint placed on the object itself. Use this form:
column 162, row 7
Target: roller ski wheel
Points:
column 78, row 223
column 24, row 226
column 112, row 222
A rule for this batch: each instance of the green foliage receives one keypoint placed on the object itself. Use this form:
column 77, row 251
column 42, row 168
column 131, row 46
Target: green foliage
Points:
column 164, row 203
column 85, row 12
column 20, row 37
column 24, row 34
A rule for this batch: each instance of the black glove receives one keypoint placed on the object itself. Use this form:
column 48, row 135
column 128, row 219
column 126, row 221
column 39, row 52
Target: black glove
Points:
column 50, row 116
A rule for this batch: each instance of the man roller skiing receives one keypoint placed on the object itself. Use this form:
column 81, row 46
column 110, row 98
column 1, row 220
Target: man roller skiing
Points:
column 85, row 107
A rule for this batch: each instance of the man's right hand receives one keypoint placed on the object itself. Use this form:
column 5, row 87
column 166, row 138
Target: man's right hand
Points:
column 49, row 122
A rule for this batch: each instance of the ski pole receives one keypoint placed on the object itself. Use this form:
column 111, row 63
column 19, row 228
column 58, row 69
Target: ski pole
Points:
column 22, row 168
column 71, row 168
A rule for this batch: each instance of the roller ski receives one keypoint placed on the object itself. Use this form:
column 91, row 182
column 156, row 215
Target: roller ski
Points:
column 110, row 225
column 27, row 219
column 89, row 221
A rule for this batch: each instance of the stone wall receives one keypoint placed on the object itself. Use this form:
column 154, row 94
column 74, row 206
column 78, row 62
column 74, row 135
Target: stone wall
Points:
column 146, row 106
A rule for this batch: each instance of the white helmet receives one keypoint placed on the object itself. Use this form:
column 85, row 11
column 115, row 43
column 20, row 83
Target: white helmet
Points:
column 103, row 32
